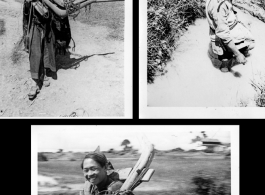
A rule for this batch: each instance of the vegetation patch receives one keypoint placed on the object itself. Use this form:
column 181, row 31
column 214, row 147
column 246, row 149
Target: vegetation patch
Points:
column 255, row 8
column 261, row 3
column 69, row 172
column 260, row 89
column 260, row 100
column 17, row 51
column 60, row 193
column 42, row 157
column 19, row 1
column 2, row 27
column 211, row 184
column 109, row 14
column 167, row 20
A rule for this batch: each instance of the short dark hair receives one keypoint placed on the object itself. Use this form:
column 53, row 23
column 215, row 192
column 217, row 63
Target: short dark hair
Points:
column 100, row 158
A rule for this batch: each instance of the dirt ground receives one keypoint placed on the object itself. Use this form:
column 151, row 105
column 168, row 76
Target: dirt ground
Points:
column 95, row 86
column 192, row 81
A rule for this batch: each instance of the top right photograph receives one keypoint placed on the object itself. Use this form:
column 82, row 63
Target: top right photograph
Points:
column 205, row 53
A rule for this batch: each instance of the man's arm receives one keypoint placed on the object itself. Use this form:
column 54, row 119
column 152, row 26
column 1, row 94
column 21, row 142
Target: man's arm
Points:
column 223, row 32
column 126, row 192
column 239, row 56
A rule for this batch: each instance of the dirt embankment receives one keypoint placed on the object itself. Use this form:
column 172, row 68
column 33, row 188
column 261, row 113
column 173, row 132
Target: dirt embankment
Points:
column 94, row 84
column 192, row 81
column 251, row 6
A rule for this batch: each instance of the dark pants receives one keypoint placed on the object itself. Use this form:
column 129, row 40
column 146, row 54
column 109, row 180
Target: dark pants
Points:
column 26, row 15
column 41, row 49
column 228, row 54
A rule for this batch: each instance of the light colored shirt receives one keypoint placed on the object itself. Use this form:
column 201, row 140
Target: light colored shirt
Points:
column 220, row 20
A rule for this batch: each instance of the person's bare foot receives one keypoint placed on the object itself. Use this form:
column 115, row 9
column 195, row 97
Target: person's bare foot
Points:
column 46, row 81
column 34, row 89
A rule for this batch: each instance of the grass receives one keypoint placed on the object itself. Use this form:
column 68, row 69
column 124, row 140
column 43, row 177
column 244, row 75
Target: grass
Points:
column 261, row 3
column 172, row 173
column 17, row 52
column 109, row 14
column 71, row 170
column 167, row 19
column 59, row 193
column 60, row 168
column 260, row 86
column 2, row 27
column 260, row 89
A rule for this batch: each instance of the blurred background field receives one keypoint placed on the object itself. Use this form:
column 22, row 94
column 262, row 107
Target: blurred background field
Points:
column 195, row 161
column 174, row 172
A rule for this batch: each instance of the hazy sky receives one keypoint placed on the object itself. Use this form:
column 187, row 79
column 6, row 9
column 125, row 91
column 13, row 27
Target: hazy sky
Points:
column 87, row 138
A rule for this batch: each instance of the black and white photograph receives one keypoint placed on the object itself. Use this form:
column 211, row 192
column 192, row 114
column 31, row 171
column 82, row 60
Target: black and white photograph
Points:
column 202, row 59
column 66, row 58
column 134, row 159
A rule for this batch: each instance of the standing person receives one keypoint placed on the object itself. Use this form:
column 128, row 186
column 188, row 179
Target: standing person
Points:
column 100, row 176
column 40, row 43
column 230, row 39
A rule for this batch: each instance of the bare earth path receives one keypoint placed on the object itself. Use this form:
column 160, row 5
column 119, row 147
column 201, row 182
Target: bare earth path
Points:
column 192, row 80
column 96, row 85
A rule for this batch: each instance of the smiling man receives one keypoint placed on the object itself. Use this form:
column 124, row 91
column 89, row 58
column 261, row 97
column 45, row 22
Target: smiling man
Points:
column 100, row 176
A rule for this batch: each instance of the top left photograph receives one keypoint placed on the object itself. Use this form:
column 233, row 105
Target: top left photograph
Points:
column 65, row 58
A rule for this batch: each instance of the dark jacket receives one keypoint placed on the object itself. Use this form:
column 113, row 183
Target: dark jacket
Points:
column 111, row 184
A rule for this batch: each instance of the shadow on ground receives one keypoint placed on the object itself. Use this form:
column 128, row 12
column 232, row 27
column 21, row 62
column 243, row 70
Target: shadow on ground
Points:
column 67, row 62
column 217, row 65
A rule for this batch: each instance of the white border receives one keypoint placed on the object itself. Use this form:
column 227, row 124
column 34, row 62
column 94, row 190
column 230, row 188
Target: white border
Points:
column 234, row 162
column 128, row 60
column 34, row 162
column 127, row 71
column 234, row 140
column 179, row 112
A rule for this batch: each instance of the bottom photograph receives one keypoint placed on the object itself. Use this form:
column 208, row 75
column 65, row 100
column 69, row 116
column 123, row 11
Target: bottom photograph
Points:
column 134, row 159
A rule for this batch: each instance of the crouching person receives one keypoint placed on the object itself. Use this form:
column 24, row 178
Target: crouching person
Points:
column 100, row 177
column 230, row 39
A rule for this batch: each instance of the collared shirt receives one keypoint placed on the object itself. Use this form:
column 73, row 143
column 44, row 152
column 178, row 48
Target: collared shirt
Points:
column 111, row 183
column 94, row 190
column 221, row 20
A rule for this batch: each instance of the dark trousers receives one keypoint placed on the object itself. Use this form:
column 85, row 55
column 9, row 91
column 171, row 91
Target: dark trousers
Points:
column 42, row 50
column 26, row 12
column 41, row 43
column 228, row 54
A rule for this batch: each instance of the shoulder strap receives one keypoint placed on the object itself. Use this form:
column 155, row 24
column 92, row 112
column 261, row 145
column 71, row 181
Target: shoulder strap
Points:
column 115, row 186
column 218, row 9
